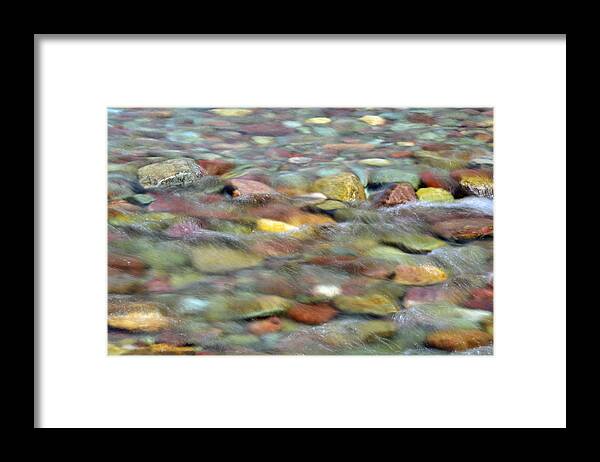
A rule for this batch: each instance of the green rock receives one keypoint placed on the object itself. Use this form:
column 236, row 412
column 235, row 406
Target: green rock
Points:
column 331, row 205
column 373, row 331
column 414, row 243
column 141, row 199
column 343, row 187
column 213, row 259
column 376, row 304
column 248, row 306
column 144, row 221
column 242, row 340
column 164, row 257
column 392, row 254
column 392, row 175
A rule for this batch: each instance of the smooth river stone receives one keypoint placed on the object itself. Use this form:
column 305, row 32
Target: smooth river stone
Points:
column 458, row 340
column 375, row 330
column 172, row 172
column 464, row 228
column 343, row 187
column 376, row 304
column 422, row 275
column 247, row 307
column 240, row 188
column 137, row 316
column 434, row 195
column 414, row 243
column 212, row 259
column 312, row 314
column 372, row 120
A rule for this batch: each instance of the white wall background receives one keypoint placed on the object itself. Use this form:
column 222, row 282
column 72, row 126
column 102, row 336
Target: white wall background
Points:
column 524, row 384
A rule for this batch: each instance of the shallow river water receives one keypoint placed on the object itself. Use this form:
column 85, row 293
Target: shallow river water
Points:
column 286, row 231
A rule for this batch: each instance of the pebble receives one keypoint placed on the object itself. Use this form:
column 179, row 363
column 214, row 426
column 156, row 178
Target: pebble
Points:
column 173, row 172
column 273, row 226
column 458, row 340
column 376, row 304
column 434, row 195
column 419, row 275
column 343, row 187
column 401, row 193
column 318, row 120
column 312, row 314
column 231, row 112
column 373, row 120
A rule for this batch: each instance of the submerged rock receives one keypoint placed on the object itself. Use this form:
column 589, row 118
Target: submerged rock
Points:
column 312, row 314
column 434, row 195
column 458, row 340
column 342, row 187
column 422, row 275
column 213, row 259
column 464, row 228
column 376, row 304
column 172, row 172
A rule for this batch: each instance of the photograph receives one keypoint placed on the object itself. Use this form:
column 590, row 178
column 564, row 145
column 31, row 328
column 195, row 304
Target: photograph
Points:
column 300, row 231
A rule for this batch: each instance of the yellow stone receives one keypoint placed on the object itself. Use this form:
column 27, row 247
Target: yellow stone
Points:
column 419, row 275
column 309, row 219
column 405, row 143
column 139, row 321
column 318, row 120
column 273, row 226
column 232, row 112
column 344, row 187
column 373, row 120
column 434, row 195
column 262, row 139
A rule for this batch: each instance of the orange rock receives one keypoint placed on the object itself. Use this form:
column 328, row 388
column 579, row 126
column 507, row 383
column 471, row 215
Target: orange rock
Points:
column 458, row 340
column 312, row 314
column 265, row 326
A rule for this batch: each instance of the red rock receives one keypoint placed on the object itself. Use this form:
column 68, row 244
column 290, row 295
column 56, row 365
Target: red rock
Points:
column 418, row 118
column 240, row 188
column 464, row 228
column 436, row 147
column 400, row 193
column 127, row 263
column 265, row 326
column 344, row 262
column 418, row 295
column 266, row 129
column 377, row 272
column 401, row 154
column 216, row 166
column 312, row 314
column 436, row 180
column 481, row 299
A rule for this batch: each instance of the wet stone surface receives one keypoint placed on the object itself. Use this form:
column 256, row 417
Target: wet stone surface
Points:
column 300, row 231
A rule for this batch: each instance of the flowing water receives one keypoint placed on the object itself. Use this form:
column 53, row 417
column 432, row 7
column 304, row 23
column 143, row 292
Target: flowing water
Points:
column 290, row 231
